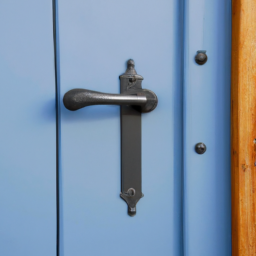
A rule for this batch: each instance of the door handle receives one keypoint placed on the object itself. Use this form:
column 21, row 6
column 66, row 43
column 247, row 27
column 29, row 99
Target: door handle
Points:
column 134, row 100
column 144, row 100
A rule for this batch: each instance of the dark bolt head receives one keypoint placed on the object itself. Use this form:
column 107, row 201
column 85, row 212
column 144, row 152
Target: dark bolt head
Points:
column 200, row 148
column 201, row 57
column 132, row 210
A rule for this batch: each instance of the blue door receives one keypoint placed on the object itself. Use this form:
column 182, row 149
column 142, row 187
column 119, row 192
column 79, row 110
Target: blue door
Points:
column 186, row 207
column 61, row 171
column 27, row 130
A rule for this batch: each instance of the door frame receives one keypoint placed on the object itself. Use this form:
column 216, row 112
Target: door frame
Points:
column 243, row 127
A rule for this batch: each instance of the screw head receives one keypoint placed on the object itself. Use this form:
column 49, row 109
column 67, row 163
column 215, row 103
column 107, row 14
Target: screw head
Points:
column 200, row 148
column 132, row 210
column 201, row 57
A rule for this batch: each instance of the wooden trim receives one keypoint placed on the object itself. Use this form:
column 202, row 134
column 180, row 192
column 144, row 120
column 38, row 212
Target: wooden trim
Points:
column 243, row 131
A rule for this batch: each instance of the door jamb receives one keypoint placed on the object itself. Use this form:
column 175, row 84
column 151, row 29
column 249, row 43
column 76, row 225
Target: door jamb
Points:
column 243, row 127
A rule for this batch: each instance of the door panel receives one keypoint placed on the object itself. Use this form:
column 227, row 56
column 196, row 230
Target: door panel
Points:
column 27, row 138
column 96, row 38
column 186, row 208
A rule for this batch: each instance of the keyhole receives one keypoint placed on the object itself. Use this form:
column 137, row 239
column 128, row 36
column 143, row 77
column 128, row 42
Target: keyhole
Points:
column 131, row 192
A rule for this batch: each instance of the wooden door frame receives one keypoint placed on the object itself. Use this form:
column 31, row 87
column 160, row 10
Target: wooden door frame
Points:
column 243, row 127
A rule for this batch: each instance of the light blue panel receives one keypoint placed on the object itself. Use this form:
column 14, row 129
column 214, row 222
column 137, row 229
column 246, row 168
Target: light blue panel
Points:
column 207, row 200
column 27, row 137
column 96, row 38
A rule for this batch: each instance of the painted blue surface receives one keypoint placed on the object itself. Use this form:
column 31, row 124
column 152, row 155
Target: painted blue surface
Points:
column 186, row 208
column 27, row 137
column 96, row 38
column 207, row 199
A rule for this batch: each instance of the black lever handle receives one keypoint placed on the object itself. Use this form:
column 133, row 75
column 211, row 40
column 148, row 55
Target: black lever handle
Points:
column 80, row 98
column 133, row 100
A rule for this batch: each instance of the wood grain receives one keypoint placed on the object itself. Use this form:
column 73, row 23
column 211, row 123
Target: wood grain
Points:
column 243, row 114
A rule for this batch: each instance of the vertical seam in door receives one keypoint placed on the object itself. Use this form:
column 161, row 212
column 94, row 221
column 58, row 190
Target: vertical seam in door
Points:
column 183, row 22
column 55, row 42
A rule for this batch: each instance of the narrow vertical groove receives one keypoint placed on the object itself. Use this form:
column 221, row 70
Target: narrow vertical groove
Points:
column 182, row 36
column 54, row 12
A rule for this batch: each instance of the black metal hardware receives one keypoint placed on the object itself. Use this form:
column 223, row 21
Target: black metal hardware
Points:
column 201, row 57
column 133, row 101
column 130, row 192
column 142, row 99
column 200, row 148
column 131, row 141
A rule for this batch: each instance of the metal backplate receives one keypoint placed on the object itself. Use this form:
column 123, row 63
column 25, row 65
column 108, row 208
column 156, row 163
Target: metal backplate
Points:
column 130, row 83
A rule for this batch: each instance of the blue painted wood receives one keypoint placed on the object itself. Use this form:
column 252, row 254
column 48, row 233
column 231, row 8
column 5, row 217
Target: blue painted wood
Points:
column 96, row 38
column 27, row 137
column 207, row 200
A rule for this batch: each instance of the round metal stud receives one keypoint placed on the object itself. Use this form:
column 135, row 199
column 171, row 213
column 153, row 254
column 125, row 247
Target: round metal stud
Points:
column 200, row 148
column 201, row 57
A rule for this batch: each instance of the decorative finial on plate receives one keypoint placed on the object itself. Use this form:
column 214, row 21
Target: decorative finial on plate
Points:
column 130, row 63
column 130, row 68
column 130, row 71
